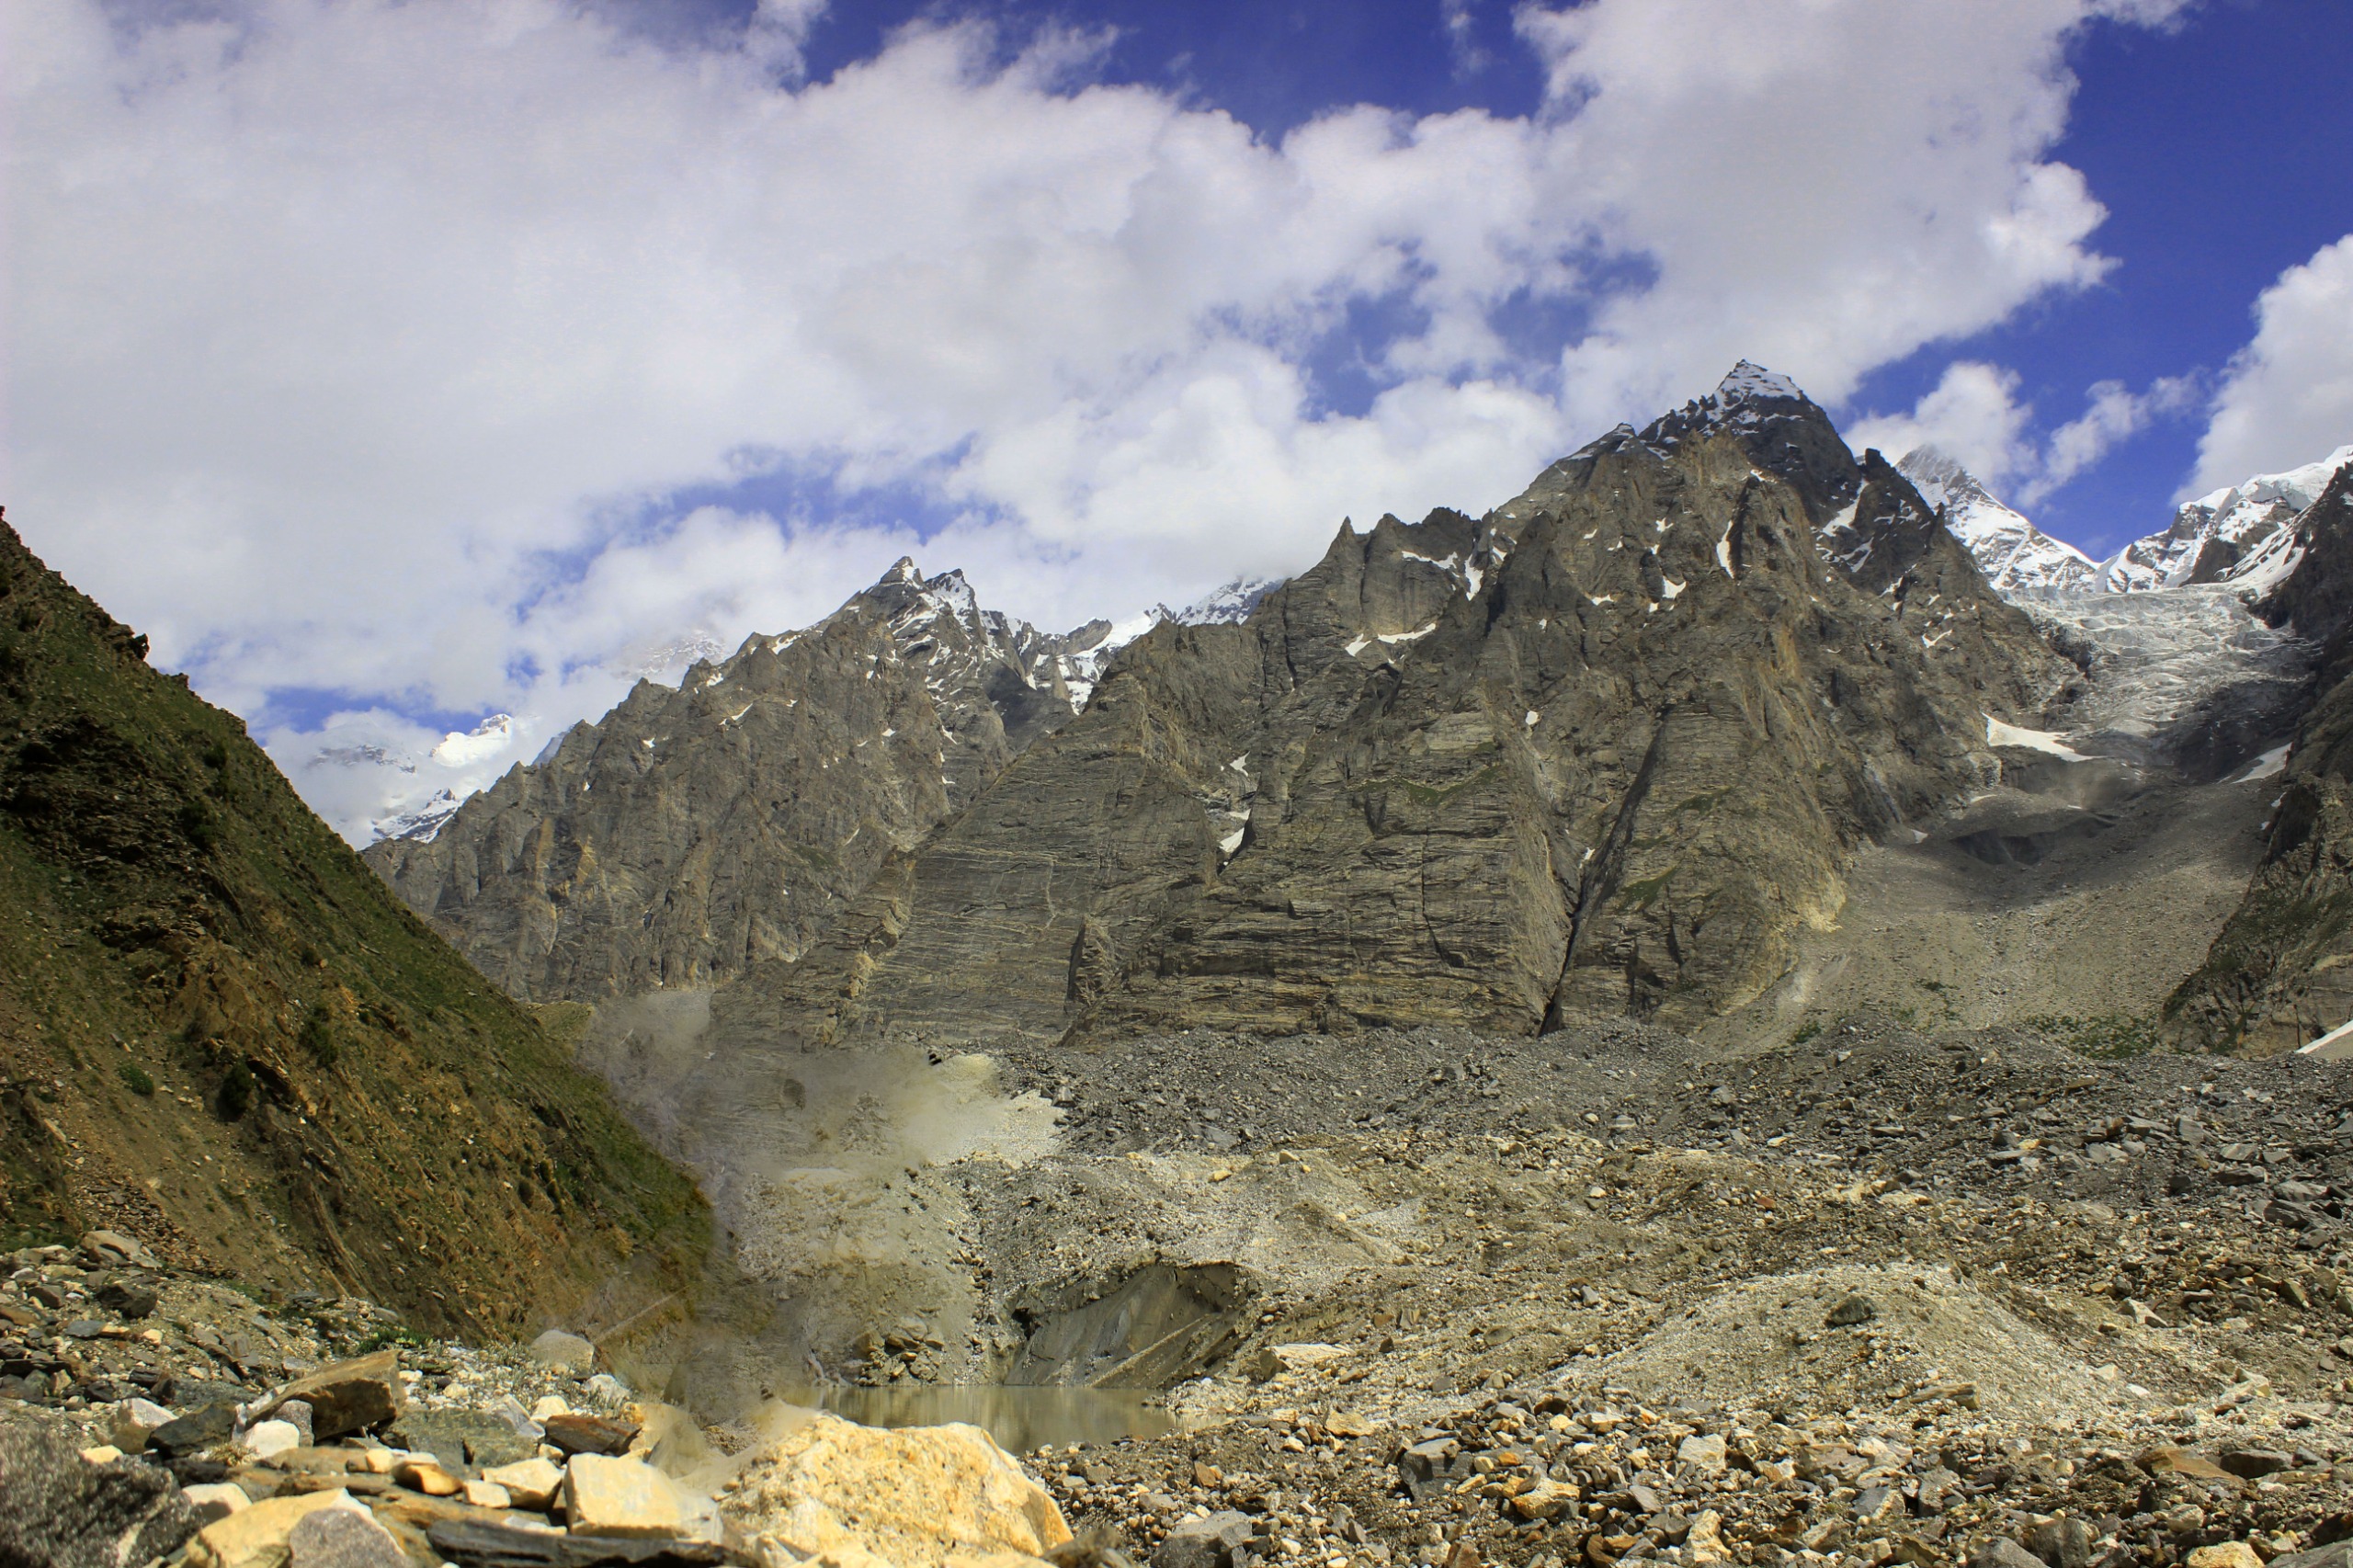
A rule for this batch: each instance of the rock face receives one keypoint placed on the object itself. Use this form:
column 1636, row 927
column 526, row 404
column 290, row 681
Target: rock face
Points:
column 218, row 1029
column 2278, row 976
column 693, row 832
column 1599, row 754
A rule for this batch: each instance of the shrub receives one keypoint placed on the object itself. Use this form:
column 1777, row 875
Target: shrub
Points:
column 136, row 1077
column 236, row 1093
column 318, row 1036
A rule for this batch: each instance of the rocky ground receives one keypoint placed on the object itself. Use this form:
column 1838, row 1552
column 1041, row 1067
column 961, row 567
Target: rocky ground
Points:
column 1869, row 1295
column 1424, row 1297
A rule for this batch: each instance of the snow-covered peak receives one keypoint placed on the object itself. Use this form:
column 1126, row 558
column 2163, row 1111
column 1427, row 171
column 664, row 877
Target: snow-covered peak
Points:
column 2299, row 487
column 1227, row 605
column 1750, row 381
column 422, row 823
column 2241, row 534
column 487, row 739
column 2012, row 551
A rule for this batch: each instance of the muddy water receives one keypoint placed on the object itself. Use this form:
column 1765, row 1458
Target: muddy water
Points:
column 1020, row 1419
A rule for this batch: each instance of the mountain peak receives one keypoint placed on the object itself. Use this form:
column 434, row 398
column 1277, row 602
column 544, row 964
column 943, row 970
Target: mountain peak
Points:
column 1750, row 381
column 1930, row 464
column 2013, row 553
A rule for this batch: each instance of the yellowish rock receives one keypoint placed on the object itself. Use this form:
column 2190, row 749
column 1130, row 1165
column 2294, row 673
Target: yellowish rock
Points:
column 1705, row 1544
column 102, row 1453
column 1544, row 1500
column 427, row 1477
column 914, row 1497
column 605, row 1496
column 2225, row 1555
column 488, row 1495
column 255, row 1537
column 532, row 1484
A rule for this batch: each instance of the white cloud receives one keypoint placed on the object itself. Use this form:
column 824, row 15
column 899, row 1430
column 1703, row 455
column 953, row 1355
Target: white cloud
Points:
column 2115, row 414
column 352, row 339
column 1971, row 413
column 2287, row 397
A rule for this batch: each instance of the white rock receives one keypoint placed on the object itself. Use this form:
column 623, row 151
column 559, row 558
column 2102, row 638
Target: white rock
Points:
column 532, row 1484
column 134, row 1422
column 264, row 1438
column 216, row 1500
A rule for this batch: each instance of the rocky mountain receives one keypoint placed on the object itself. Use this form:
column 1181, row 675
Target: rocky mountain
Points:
column 2013, row 553
column 219, row 1032
column 1599, row 753
column 2239, row 535
column 697, row 829
column 2281, row 974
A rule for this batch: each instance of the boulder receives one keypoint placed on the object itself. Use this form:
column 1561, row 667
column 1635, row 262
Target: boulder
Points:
column 609, row 1496
column 1704, row 1454
column 136, row 1420
column 59, row 1511
column 531, row 1484
column 562, row 1352
column 337, row 1538
column 2001, row 1551
column 258, row 1537
column 471, row 1543
column 264, row 1439
column 2225, row 1554
column 215, row 1500
column 1219, row 1541
column 113, row 1248
column 1850, row 1310
column 2182, row 1463
column 1545, row 1500
column 2067, row 1543
column 357, row 1396
column 579, row 1434
column 2337, row 1555
column 196, row 1431
column 466, row 1440
column 915, row 1497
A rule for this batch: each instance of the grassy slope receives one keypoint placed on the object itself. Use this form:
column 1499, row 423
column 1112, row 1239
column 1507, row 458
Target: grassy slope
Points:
column 173, row 919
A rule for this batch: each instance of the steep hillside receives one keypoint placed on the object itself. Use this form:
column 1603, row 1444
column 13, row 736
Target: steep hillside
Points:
column 1599, row 755
column 219, row 1031
column 692, row 832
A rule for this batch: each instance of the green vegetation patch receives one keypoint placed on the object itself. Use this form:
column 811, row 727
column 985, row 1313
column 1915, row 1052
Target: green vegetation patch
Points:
column 2105, row 1037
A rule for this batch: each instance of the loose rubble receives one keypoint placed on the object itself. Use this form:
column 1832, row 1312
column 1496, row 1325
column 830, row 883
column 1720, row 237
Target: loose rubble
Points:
column 1869, row 1298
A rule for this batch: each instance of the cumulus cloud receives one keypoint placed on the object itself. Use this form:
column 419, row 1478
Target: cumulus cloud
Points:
column 2116, row 413
column 2287, row 399
column 1972, row 414
column 377, row 343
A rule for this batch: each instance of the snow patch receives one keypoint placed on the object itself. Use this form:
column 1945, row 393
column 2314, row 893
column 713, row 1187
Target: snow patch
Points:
column 2000, row 735
column 2270, row 765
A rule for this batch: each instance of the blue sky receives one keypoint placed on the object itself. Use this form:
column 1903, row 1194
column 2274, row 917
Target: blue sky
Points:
column 397, row 365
